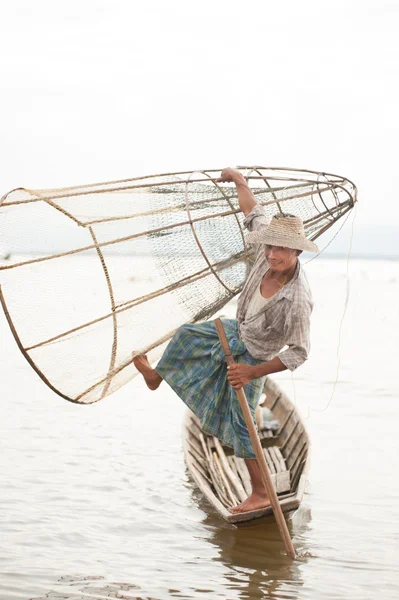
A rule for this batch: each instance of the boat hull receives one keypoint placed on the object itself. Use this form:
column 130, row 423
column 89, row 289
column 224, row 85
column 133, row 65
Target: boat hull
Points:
column 224, row 479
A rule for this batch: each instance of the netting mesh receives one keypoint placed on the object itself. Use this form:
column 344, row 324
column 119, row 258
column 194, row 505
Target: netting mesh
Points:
column 115, row 268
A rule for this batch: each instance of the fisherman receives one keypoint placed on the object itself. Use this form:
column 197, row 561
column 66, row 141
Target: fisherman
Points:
column 270, row 334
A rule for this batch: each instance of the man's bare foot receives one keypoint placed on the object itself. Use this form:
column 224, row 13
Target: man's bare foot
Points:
column 151, row 377
column 253, row 502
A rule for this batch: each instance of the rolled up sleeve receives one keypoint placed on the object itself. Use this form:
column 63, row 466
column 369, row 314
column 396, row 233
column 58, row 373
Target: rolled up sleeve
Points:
column 256, row 219
column 297, row 340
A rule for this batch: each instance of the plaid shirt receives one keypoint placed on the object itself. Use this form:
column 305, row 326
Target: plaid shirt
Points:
column 285, row 320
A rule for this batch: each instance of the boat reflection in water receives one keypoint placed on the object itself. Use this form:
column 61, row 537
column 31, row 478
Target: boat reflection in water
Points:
column 254, row 560
column 254, row 564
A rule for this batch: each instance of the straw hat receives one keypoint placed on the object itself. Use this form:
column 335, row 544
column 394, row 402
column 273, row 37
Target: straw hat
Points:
column 284, row 230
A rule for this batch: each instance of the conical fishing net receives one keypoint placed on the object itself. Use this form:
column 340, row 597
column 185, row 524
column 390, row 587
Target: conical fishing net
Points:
column 91, row 274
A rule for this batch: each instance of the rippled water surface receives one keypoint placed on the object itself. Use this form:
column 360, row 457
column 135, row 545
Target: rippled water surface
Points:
column 96, row 501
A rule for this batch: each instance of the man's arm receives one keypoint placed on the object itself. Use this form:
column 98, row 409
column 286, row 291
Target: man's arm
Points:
column 245, row 196
column 295, row 355
column 240, row 374
column 275, row 365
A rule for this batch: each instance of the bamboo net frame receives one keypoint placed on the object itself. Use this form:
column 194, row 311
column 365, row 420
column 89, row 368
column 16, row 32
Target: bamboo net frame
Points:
column 116, row 256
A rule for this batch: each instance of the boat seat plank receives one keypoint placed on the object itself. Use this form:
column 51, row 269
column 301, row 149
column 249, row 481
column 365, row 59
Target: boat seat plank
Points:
column 278, row 459
column 230, row 493
column 244, row 475
column 274, row 460
column 269, row 461
column 234, row 481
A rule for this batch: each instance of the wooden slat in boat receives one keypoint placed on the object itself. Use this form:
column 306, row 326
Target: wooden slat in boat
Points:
column 224, row 479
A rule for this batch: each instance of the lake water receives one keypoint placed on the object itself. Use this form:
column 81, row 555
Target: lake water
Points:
column 96, row 501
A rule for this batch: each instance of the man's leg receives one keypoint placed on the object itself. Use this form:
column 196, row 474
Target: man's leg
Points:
column 259, row 497
column 151, row 376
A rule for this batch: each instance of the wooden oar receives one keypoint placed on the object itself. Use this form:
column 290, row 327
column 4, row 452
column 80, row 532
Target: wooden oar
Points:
column 264, row 470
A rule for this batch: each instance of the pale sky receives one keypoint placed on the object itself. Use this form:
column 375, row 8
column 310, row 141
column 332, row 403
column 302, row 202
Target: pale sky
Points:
column 96, row 90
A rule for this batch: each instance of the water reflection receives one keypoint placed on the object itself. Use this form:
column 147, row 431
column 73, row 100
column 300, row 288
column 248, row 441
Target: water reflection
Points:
column 252, row 559
column 254, row 556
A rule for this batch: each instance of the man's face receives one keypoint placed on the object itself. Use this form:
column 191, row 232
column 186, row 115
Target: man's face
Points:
column 279, row 258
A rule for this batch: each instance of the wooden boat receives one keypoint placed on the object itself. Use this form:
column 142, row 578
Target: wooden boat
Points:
column 224, row 479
